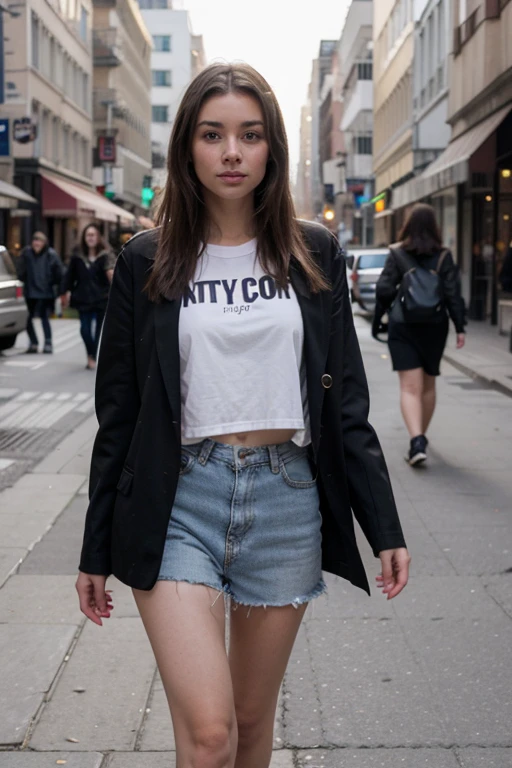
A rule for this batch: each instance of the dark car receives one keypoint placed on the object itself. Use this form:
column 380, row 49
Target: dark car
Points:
column 367, row 264
column 13, row 309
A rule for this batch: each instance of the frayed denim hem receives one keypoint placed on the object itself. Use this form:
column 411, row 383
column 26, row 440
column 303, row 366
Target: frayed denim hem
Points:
column 224, row 591
column 320, row 589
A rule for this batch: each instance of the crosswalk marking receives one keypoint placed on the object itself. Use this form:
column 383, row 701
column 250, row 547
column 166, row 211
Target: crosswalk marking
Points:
column 29, row 410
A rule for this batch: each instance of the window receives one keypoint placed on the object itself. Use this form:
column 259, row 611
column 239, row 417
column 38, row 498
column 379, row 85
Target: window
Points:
column 365, row 70
column 363, row 145
column 161, row 77
column 82, row 29
column 55, row 140
column 162, row 43
column 372, row 260
column 65, row 147
column 441, row 31
column 59, row 66
column 85, row 91
column 35, row 41
column 150, row 5
column 159, row 114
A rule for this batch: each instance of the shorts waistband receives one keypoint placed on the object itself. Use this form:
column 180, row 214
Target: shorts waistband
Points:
column 243, row 455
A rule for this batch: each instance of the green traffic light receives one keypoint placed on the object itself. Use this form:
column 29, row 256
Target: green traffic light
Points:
column 147, row 196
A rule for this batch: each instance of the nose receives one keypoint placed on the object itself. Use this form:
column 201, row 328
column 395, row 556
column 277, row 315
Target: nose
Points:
column 232, row 152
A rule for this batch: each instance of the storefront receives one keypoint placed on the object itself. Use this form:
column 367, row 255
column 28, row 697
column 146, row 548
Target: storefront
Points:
column 11, row 213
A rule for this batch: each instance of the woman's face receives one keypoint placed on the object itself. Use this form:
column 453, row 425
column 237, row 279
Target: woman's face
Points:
column 91, row 237
column 230, row 149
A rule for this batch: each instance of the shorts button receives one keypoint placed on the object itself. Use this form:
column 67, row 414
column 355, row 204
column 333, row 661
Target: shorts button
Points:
column 326, row 381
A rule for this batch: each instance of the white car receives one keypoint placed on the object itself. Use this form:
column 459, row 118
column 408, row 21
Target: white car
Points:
column 367, row 265
column 13, row 309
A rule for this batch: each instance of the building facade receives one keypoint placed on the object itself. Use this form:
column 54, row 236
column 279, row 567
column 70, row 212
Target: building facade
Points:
column 48, row 104
column 393, row 158
column 122, row 48
column 356, row 63
column 303, row 200
column 173, row 64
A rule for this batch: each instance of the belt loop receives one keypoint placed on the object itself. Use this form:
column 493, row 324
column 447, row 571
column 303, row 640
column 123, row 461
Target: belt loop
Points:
column 206, row 449
column 273, row 453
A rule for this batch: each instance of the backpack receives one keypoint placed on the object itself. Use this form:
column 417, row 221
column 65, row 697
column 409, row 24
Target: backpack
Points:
column 421, row 295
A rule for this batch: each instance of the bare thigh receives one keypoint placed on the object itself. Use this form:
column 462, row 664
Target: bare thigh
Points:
column 185, row 624
column 260, row 647
column 412, row 381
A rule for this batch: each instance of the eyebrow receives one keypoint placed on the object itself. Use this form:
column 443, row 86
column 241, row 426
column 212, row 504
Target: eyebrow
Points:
column 215, row 124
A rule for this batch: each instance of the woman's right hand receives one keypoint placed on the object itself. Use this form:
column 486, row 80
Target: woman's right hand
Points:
column 461, row 340
column 95, row 601
column 64, row 300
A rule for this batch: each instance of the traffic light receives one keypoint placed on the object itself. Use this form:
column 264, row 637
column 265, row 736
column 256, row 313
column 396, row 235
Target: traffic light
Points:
column 147, row 193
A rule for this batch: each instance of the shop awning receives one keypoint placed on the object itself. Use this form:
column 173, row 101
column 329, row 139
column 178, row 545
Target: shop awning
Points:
column 63, row 198
column 14, row 195
column 452, row 165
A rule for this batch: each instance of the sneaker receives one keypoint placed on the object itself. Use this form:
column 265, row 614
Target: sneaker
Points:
column 417, row 451
column 32, row 350
column 48, row 349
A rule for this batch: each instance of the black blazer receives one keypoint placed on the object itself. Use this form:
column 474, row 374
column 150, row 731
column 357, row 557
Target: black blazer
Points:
column 136, row 455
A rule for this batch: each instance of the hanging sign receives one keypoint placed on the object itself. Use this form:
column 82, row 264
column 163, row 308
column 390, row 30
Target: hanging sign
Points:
column 24, row 129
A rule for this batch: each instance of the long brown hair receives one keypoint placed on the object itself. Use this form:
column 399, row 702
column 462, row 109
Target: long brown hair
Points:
column 183, row 217
column 420, row 232
column 100, row 245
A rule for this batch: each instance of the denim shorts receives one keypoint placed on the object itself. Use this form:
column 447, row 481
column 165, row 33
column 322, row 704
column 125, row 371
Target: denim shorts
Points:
column 246, row 522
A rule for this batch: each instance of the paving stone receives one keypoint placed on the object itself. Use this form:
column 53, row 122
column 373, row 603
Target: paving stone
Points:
column 500, row 588
column 370, row 689
column 344, row 601
column 302, row 724
column 49, row 759
column 452, row 512
column 40, row 600
column 466, row 664
column 10, row 557
column 30, row 657
column 58, row 552
column 476, row 757
column 115, row 665
column 446, row 597
column 280, row 759
column 428, row 559
column 15, row 500
column 377, row 758
column 473, row 552
column 25, row 529
column 58, row 483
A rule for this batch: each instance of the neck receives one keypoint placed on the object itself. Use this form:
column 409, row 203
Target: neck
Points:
column 92, row 251
column 232, row 221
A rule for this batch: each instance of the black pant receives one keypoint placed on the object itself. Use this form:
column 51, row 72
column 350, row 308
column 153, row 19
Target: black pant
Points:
column 39, row 308
column 91, row 340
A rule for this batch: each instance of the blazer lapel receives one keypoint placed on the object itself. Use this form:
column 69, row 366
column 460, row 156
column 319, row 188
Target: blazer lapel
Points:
column 316, row 344
column 167, row 314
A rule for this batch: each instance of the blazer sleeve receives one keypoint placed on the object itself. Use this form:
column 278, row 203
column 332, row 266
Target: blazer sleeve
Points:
column 117, row 408
column 68, row 280
column 388, row 282
column 370, row 492
column 452, row 292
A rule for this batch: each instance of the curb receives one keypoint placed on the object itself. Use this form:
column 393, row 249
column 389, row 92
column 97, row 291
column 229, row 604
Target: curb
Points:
column 498, row 386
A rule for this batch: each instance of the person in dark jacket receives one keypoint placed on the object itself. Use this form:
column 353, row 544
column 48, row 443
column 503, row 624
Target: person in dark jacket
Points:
column 506, row 271
column 416, row 348
column 41, row 270
column 233, row 436
column 86, row 286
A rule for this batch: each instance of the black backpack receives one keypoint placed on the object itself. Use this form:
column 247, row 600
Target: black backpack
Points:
column 421, row 295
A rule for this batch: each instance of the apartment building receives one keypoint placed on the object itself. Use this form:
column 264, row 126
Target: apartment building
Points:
column 122, row 48
column 303, row 202
column 356, row 64
column 393, row 158
column 48, row 73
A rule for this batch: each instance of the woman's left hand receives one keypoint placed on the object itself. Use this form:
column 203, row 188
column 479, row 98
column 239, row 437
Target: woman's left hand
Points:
column 395, row 571
column 461, row 340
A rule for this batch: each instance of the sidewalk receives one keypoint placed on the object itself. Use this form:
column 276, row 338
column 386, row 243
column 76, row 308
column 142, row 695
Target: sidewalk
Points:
column 486, row 355
column 422, row 681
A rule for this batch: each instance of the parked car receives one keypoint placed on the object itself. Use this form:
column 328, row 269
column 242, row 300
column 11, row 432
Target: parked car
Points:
column 367, row 264
column 13, row 309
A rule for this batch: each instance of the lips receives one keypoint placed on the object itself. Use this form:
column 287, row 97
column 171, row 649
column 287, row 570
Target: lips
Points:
column 234, row 175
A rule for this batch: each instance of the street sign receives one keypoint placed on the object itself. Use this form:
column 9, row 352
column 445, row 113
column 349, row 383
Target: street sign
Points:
column 4, row 138
column 107, row 149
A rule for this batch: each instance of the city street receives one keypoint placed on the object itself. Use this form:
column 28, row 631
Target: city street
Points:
column 422, row 681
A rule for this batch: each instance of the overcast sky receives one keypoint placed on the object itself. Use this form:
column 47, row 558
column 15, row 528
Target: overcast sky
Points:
column 280, row 38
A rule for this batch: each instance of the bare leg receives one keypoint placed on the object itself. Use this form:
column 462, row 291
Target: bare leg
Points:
column 411, row 403
column 185, row 625
column 428, row 399
column 260, row 646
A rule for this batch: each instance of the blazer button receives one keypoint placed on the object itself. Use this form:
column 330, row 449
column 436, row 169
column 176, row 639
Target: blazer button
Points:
column 326, row 381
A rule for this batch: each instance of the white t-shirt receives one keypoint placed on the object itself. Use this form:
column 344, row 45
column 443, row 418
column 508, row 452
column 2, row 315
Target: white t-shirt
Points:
column 241, row 350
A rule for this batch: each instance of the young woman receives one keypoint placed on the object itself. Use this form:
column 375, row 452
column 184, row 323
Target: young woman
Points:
column 86, row 286
column 416, row 349
column 233, row 437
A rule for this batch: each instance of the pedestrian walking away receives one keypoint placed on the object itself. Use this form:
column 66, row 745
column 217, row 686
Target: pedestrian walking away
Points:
column 233, row 438
column 86, row 285
column 419, row 288
column 41, row 270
